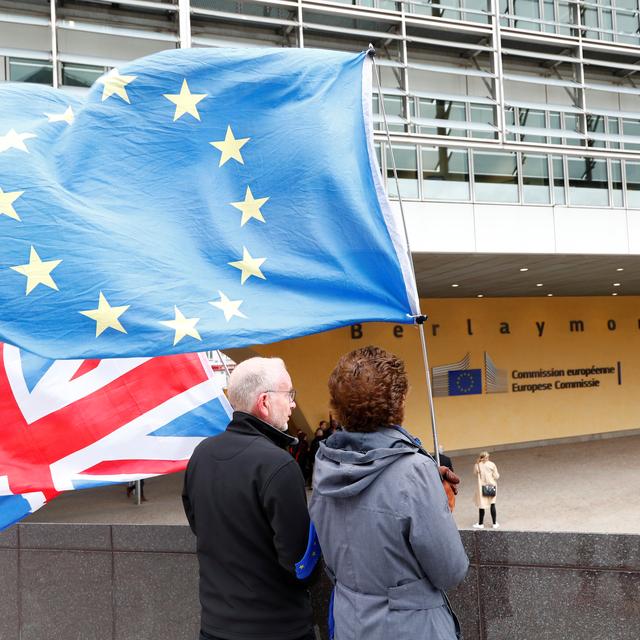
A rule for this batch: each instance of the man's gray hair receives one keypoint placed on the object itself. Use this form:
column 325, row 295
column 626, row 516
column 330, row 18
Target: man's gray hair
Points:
column 251, row 378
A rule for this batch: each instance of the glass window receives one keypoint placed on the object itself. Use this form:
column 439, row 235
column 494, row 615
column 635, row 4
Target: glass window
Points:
column 527, row 9
column 504, row 10
column 627, row 26
column 555, row 122
column 445, row 174
column 477, row 5
column 36, row 71
column 571, row 123
column 393, row 107
column 564, row 17
column 483, row 114
column 407, row 165
column 632, row 170
column 549, row 16
column 616, row 183
column 443, row 110
column 509, row 120
column 535, row 179
column 495, row 176
column 531, row 118
column 631, row 128
column 588, row 184
column 446, row 8
column 80, row 75
column 614, row 129
column 558, row 180
column 590, row 19
column 595, row 124
column 607, row 25
column 388, row 5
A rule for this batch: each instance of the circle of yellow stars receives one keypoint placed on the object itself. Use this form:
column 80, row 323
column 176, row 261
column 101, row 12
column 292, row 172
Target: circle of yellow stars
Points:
column 106, row 315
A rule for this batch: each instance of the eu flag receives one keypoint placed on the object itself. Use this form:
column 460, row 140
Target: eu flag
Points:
column 465, row 382
column 196, row 199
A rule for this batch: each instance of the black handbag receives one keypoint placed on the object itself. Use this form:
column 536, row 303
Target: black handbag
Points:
column 489, row 490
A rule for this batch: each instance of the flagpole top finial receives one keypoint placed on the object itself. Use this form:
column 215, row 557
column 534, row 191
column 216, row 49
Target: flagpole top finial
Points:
column 371, row 51
column 420, row 319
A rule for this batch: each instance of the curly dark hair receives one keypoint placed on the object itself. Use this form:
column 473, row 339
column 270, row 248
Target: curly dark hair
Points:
column 367, row 389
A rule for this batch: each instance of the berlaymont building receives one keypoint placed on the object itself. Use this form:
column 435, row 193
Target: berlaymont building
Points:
column 515, row 127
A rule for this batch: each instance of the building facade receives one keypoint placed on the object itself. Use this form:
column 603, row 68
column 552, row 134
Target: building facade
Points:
column 518, row 102
column 514, row 125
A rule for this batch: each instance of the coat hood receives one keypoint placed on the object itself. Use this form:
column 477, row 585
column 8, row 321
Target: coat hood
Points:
column 348, row 462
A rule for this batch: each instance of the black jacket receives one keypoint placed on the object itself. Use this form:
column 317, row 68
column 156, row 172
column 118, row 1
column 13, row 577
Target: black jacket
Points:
column 245, row 501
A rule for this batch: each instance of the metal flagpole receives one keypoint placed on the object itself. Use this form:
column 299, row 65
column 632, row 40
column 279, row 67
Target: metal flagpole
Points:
column 420, row 318
column 224, row 364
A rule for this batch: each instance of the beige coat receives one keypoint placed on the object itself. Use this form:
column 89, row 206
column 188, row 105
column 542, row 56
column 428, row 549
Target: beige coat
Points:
column 487, row 473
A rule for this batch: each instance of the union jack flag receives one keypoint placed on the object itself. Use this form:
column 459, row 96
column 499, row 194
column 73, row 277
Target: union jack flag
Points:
column 71, row 424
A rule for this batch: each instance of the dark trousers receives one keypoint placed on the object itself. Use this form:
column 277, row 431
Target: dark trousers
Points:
column 206, row 636
column 493, row 514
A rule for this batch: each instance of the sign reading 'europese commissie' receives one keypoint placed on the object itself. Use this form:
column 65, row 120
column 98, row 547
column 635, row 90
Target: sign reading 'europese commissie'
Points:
column 582, row 378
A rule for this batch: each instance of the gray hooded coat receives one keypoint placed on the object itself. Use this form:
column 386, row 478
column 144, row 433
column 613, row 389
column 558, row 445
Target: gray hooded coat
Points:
column 387, row 536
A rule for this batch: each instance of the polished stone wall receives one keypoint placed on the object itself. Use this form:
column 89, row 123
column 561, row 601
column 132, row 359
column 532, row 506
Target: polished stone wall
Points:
column 139, row 582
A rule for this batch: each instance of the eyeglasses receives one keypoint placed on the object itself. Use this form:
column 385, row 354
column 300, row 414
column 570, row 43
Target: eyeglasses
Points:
column 291, row 392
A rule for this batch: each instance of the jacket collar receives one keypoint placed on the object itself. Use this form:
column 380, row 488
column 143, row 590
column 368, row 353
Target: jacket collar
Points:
column 246, row 423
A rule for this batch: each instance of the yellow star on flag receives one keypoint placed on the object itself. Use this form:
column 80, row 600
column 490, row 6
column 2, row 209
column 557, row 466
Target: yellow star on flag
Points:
column 185, row 101
column 182, row 326
column 14, row 140
column 67, row 116
column 7, row 198
column 249, row 266
column 229, row 307
column 37, row 271
column 106, row 316
column 250, row 207
column 230, row 147
column 115, row 84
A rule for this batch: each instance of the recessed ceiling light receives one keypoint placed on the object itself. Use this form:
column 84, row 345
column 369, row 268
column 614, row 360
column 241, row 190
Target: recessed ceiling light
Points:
column 620, row 269
column 539, row 284
column 455, row 285
column 616, row 284
column 524, row 268
column 614, row 294
column 549, row 294
column 481, row 295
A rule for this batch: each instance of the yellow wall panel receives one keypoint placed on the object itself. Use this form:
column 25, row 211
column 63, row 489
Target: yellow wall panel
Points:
column 520, row 335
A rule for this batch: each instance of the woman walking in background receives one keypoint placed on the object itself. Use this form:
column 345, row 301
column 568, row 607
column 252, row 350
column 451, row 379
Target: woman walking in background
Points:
column 486, row 489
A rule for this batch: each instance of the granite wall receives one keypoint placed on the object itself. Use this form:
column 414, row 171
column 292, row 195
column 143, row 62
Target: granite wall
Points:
column 139, row 582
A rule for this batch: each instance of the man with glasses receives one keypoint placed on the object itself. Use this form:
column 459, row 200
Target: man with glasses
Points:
column 245, row 501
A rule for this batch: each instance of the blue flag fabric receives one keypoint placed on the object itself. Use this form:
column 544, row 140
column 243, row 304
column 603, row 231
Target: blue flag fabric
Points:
column 196, row 199
column 465, row 382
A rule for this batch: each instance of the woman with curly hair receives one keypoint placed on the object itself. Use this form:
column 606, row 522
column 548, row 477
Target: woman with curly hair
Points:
column 383, row 521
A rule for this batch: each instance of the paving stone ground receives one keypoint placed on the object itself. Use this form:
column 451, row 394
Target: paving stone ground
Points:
column 589, row 486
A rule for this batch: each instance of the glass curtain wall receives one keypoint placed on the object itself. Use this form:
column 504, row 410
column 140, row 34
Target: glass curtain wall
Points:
column 538, row 104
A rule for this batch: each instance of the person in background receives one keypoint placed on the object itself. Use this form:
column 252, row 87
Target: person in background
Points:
column 245, row 501
column 487, row 476
column 315, row 445
column 390, row 544
column 132, row 488
column 328, row 428
column 301, row 454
